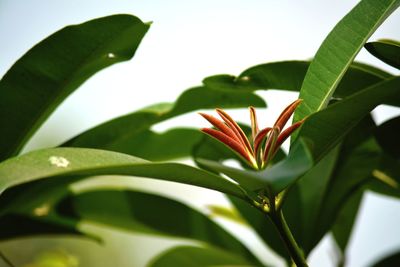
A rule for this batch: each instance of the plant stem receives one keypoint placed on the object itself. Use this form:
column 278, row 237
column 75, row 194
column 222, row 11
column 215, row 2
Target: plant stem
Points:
column 294, row 251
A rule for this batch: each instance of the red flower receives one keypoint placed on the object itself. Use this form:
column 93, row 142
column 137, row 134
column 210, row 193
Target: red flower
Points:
column 265, row 143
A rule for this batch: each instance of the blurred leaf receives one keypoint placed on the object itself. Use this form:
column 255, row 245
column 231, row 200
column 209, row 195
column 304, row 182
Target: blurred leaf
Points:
column 17, row 226
column 55, row 258
column 387, row 135
column 338, row 51
column 389, row 261
column 29, row 209
column 217, row 211
column 386, row 50
column 122, row 134
column 198, row 257
column 172, row 144
column 77, row 161
column 148, row 213
column 277, row 177
column 385, row 179
column 326, row 128
column 39, row 81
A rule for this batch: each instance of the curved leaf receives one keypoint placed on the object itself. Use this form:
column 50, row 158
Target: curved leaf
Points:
column 387, row 135
column 385, row 179
column 388, row 261
column 352, row 171
column 39, row 81
column 21, row 226
column 198, row 257
column 325, row 129
column 150, row 214
column 386, row 50
column 28, row 209
column 78, row 161
column 119, row 134
column 289, row 75
column 344, row 223
column 172, row 144
column 338, row 51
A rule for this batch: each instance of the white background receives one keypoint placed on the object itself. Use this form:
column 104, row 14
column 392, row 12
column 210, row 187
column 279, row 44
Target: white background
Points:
column 189, row 40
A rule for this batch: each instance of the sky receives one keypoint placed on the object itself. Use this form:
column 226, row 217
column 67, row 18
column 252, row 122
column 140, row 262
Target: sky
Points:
column 188, row 41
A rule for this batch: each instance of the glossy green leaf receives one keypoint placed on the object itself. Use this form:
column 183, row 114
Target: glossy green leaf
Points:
column 325, row 129
column 198, row 257
column 289, row 75
column 338, row 51
column 388, row 261
column 120, row 134
column 78, row 161
column 277, row 177
column 353, row 170
column 324, row 190
column 150, row 214
column 312, row 187
column 387, row 135
column 386, row 50
column 344, row 223
column 39, row 81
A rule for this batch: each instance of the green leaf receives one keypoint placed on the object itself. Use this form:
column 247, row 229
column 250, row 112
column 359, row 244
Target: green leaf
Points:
column 353, row 170
column 325, row 129
column 385, row 178
column 198, row 257
column 149, row 214
column 277, row 177
column 338, row 51
column 289, row 75
column 344, row 223
column 312, row 186
column 21, row 226
column 121, row 134
column 388, row 138
column 388, row 261
column 29, row 209
column 386, row 50
column 78, row 161
column 325, row 189
column 39, row 81
column 173, row 144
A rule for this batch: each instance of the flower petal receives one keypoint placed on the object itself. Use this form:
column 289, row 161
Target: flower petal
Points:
column 270, row 145
column 286, row 133
column 235, row 127
column 286, row 113
column 230, row 142
column 220, row 125
column 259, row 139
column 254, row 123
